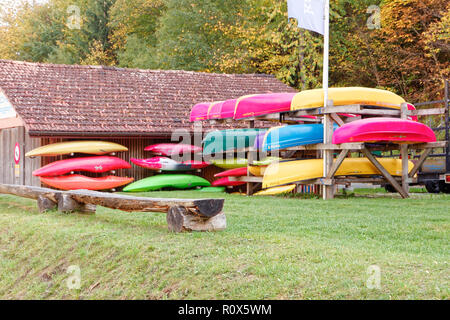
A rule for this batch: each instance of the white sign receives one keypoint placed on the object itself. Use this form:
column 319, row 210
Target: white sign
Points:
column 17, row 153
column 6, row 108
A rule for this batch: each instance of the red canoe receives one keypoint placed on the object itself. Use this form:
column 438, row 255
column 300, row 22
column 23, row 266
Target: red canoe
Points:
column 89, row 164
column 169, row 149
column 167, row 164
column 384, row 130
column 238, row 172
column 77, row 181
column 199, row 112
column 225, row 182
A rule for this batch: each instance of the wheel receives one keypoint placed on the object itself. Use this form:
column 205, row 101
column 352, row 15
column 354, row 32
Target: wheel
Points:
column 444, row 187
column 390, row 188
column 432, row 186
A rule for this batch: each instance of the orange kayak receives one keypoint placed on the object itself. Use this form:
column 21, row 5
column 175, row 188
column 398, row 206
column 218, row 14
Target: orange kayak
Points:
column 78, row 181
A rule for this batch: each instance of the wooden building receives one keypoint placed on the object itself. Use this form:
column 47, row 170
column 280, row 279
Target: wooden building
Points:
column 47, row 103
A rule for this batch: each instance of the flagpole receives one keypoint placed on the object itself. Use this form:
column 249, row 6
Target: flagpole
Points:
column 327, row 155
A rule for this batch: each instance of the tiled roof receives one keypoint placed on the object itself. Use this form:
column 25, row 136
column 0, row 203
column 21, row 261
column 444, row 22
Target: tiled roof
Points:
column 64, row 99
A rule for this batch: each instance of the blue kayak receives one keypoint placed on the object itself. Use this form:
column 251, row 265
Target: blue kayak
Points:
column 279, row 138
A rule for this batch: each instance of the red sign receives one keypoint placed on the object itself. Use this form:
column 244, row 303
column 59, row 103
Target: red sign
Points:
column 17, row 153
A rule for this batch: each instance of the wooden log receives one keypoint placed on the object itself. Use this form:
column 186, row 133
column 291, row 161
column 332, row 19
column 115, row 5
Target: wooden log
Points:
column 67, row 204
column 337, row 163
column 179, row 219
column 328, row 191
column 45, row 204
column 29, row 192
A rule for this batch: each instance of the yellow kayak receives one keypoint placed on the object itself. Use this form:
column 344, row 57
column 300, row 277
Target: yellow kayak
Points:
column 89, row 147
column 346, row 96
column 257, row 170
column 281, row 173
column 276, row 190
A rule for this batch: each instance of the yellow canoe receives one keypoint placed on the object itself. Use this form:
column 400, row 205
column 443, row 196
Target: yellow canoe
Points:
column 276, row 190
column 89, row 147
column 309, row 99
column 281, row 173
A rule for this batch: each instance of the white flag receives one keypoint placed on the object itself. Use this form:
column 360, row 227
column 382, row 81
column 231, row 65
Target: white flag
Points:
column 309, row 14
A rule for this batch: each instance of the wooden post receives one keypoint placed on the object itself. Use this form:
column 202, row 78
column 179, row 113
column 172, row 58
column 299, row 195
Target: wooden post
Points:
column 404, row 152
column 328, row 191
column 67, row 204
column 45, row 204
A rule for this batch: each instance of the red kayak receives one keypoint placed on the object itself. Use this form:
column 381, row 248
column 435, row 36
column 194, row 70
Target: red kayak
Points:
column 169, row 149
column 200, row 111
column 384, row 130
column 167, row 164
column 225, row 182
column 89, row 164
column 238, row 172
column 77, row 181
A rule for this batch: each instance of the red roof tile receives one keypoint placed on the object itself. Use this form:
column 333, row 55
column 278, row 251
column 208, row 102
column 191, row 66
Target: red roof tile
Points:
column 93, row 100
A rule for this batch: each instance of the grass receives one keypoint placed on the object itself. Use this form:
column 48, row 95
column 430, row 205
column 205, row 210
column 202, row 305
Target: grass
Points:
column 273, row 248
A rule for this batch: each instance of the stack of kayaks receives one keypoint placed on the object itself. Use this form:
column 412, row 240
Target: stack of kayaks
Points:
column 61, row 174
column 163, row 162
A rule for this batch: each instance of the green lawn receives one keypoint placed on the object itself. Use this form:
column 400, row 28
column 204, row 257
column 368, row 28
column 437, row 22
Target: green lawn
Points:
column 273, row 248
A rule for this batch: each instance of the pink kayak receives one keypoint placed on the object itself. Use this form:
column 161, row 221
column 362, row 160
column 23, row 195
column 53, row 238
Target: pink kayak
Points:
column 214, row 110
column 169, row 149
column 200, row 111
column 225, row 182
column 238, row 172
column 89, row 164
column 227, row 109
column 384, row 130
column 77, row 181
column 261, row 104
column 167, row 164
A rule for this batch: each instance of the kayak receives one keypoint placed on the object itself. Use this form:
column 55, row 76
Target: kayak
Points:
column 232, row 139
column 214, row 110
column 170, row 149
column 200, row 112
column 230, row 163
column 212, row 189
column 227, row 183
column 177, row 181
column 88, row 147
column 276, row 190
column 278, row 138
column 89, row 164
column 287, row 172
column 257, row 170
column 167, row 164
column 384, row 130
column 77, row 181
column 227, row 109
column 309, row 99
column 238, row 172
column 262, row 104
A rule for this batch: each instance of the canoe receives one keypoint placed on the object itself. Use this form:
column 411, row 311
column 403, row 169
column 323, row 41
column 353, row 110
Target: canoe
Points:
column 238, row 172
column 232, row 139
column 278, row 138
column 88, row 147
column 89, row 164
column 287, row 172
column 384, row 130
column 177, row 181
column 309, row 99
column 230, row 163
column 214, row 110
column 170, row 149
column 212, row 189
column 225, row 181
column 199, row 112
column 276, row 190
column 167, row 164
column 77, row 181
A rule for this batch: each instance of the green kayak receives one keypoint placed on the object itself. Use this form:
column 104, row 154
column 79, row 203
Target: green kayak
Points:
column 226, row 140
column 177, row 181
column 241, row 162
column 212, row 189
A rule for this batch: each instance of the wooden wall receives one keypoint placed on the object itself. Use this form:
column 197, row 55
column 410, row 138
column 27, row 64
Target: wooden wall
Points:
column 8, row 139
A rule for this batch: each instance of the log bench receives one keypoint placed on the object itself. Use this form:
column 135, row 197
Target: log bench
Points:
column 182, row 214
